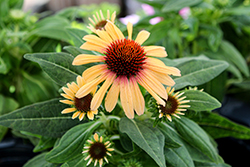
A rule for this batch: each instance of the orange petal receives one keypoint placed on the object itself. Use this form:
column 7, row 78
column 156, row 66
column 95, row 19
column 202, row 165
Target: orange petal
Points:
column 130, row 30
column 67, row 102
column 112, row 95
column 142, row 36
column 138, row 99
column 68, row 110
column 88, row 87
column 94, row 39
column 86, row 59
column 68, row 91
column 157, row 51
column 93, row 72
column 104, row 36
column 163, row 78
column 92, row 47
column 98, row 97
column 126, row 97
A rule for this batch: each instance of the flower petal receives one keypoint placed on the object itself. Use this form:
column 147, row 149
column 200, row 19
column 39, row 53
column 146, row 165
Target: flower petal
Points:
column 90, row 115
column 158, row 66
column 113, row 31
column 157, row 51
column 112, row 95
column 88, row 87
column 130, row 30
column 98, row 97
column 93, row 72
column 163, row 78
column 68, row 91
column 68, row 110
column 67, row 102
column 86, row 59
column 92, row 47
column 80, row 81
column 94, row 39
column 142, row 36
column 67, row 96
column 76, row 114
column 104, row 35
column 126, row 97
column 138, row 99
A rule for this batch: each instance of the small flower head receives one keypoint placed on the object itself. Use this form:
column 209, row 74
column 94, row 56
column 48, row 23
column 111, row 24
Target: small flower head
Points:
column 99, row 21
column 175, row 105
column 80, row 106
column 96, row 150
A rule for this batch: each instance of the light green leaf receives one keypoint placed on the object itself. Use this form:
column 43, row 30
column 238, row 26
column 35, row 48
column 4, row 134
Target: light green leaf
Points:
column 243, row 10
column 196, row 137
column 234, row 55
column 197, row 72
column 76, row 51
column 57, row 65
column 52, row 27
column 218, row 126
column 77, row 35
column 146, row 137
column 177, row 157
column 176, row 5
column 42, row 118
column 72, row 142
column 201, row 101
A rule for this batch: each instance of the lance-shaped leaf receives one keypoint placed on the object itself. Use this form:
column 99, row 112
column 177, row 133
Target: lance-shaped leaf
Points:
column 210, row 164
column 77, row 162
column 57, row 65
column 72, row 142
column 197, row 72
column 42, row 118
column 38, row 161
column 146, row 137
column 218, row 126
column 176, row 5
column 196, row 137
column 201, row 101
column 177, row 157
column 77, row 35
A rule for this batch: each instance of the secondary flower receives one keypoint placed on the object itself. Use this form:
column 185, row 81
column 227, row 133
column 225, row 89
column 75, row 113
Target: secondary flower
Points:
column 96, row 150
column 80, row 106
column 99, row 21
column 175, row 104
column 124, row 64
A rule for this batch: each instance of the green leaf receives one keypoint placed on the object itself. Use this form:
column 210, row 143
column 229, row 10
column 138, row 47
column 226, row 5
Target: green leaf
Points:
column 218, row 126
column 177, row 157
column 244, row 84
column 196, row 137
column 57, row 65
column 175, row 5
column 43, row 118
column 210, row 164
column 72, row 142
column 146, row 137
column 234, row 55
column 52, row 27
column 242, row 10
column 76, row 51
column 196, row 72
column 77, row 35
column 44, row 143
column 77, row 162
column 201, row 101
column 38, row 161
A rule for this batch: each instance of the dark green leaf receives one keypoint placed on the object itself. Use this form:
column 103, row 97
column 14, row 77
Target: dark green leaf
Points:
column 196, row 137
column 72, row 142
column 176, row 5
column 77, row 162
column 43, row 118
column 218, row 126
column 77, row 35
column 38, row 161
column 235, row 56
column 146, row 137
column 210, row 164
column 201, row 101
column 176, row 157
column 57, row 65
column 44, row 143
column 197, row 72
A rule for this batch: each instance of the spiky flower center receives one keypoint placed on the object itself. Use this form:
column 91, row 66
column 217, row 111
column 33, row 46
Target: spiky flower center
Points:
column 97, row 150
column 125, row 57
column 170, row 107
column 83, row 104
column 100, row 25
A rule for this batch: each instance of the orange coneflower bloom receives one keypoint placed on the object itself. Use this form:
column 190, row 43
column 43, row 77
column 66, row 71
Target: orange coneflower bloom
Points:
column 79, row 106
column 124, row 64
